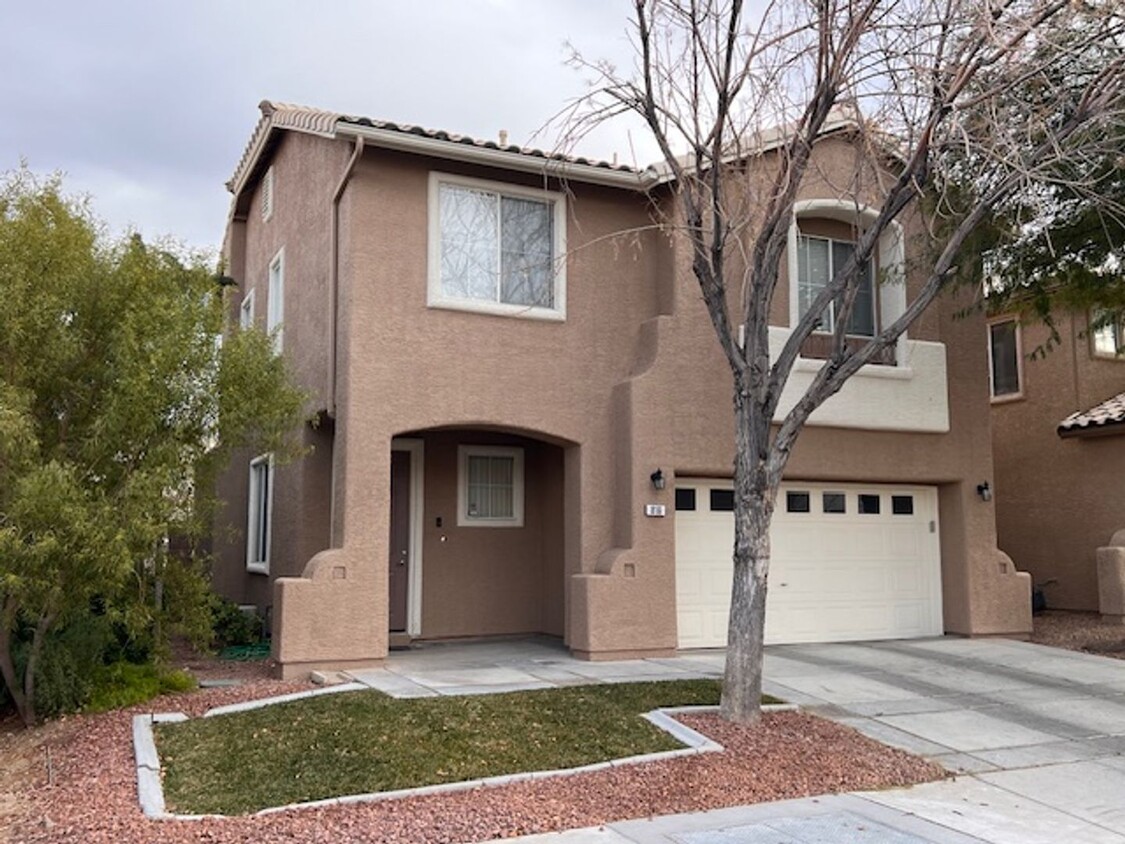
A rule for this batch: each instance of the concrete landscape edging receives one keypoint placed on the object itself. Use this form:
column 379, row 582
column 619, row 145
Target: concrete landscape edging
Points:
column 150, row 786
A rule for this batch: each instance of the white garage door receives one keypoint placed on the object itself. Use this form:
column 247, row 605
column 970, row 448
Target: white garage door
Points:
column 850, row 562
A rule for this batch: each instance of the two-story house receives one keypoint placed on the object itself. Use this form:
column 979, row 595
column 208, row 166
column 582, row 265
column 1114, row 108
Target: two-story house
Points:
column 1058, row 420
column 525, row 421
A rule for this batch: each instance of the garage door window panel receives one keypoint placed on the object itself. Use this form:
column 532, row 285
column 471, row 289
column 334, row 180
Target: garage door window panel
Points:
column 798, row 502
column 868, row 504
column 722, row 500
column 685, row 498
column 834, row 502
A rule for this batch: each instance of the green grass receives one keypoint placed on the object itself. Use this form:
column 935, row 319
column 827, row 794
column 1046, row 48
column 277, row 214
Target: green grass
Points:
column 359, row 742
column 125, row 684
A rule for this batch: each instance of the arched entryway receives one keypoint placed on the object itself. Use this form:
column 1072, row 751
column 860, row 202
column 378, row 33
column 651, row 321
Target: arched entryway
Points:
column 477, row 528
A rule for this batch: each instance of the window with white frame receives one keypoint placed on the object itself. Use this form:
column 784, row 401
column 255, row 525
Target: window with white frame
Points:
column 490, row 486
column 267, row 195
column 818, row 259
column 246, row 311
column 1109, row 336
column 1004, row 367
column 259, row 514
column 496, row 248
column 275, row 307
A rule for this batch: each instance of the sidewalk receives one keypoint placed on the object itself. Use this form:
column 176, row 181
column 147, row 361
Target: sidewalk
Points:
column 1035, row 734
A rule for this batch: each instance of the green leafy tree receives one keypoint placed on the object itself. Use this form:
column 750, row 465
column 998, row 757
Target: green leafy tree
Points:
column 1058, row 246
column 118, row 404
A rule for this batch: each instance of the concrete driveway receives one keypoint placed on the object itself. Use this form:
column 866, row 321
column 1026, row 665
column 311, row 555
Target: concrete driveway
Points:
column 1036, row 734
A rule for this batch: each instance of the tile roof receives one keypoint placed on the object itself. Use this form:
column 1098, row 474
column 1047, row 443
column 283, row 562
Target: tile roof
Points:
column 1109, row 413
column 326, row 123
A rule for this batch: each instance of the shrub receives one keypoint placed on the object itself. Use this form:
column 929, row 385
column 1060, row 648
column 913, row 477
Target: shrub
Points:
column 125, row 684
column 232, row 626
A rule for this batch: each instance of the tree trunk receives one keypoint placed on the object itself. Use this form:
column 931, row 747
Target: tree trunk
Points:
column 753, row 510
column 7, row 666
column 29, row 714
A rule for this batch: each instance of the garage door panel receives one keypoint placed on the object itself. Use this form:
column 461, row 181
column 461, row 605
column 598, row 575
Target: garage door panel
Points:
column 834, row 576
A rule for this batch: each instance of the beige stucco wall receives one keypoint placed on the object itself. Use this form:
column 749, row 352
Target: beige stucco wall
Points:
column 1058, row 500
column 481, row 581
column 631, row 381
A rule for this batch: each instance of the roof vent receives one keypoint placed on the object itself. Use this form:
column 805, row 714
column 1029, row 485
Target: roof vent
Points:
column 503, row 137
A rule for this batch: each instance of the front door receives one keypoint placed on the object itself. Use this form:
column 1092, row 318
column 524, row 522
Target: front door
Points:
column 399, row 563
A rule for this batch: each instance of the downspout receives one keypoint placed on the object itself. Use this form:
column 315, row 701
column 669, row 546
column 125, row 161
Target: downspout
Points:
column 334, row 275
column 334, row 319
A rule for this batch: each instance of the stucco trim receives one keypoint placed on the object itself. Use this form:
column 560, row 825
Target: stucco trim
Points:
column 416, row 448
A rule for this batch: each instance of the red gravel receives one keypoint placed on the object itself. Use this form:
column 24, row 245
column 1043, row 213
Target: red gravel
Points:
column 789, row 754
column 1079, row 631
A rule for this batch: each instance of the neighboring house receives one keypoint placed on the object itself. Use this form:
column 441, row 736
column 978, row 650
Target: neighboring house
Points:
column 525, row 419
column 1058, row 436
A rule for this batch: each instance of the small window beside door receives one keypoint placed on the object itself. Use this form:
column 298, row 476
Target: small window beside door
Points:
column 490, row 486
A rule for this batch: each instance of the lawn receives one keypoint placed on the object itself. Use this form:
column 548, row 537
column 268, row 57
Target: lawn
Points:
column 359, row 742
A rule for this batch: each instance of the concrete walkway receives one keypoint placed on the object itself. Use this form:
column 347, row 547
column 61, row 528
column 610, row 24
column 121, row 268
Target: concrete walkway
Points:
column 1037, row 733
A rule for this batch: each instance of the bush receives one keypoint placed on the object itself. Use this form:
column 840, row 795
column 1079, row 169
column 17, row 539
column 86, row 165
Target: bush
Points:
column 232, row 626
column 125, row 684
column 71, row 655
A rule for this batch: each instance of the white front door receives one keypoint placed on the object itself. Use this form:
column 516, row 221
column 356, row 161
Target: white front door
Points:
column 850, row 562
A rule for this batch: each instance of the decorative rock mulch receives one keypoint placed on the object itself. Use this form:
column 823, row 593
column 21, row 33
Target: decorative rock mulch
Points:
column 92, row 795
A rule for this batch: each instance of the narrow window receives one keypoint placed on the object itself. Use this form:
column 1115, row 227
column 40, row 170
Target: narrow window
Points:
column 267, row 195
column 869, row 504
column 275, row 309
column 1004, row 358
column 797, row 502
column 259, row 514
column 722, row 500
column 685, row 498
column 490, row 490
column 902, row 505
column 834, row 502
column 246, row 311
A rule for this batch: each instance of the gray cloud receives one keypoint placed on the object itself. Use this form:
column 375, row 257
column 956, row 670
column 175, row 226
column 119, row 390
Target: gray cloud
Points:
column 148, row 105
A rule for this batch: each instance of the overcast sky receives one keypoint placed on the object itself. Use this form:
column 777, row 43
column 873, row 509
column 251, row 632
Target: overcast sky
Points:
column 147, row 105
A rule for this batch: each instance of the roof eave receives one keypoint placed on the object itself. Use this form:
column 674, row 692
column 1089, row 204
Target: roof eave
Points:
column 1105, row 429
column 502, row 159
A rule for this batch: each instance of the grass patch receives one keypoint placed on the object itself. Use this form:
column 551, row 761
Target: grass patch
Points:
column 125, row 684
column 359, row 742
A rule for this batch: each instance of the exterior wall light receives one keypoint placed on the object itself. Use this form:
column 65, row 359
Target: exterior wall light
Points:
column 657, row 479
column 984, row 491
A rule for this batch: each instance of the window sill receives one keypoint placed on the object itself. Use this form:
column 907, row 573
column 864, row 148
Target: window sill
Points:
column 257, row 568
column 468, row 522
column 1007, row 398
column 499, row 309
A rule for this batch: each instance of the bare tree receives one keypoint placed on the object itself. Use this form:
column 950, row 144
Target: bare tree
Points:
column 927, row 92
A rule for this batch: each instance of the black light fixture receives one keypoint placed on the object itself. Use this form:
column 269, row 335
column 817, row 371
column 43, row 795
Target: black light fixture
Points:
column 657, row 479
column 984, row 491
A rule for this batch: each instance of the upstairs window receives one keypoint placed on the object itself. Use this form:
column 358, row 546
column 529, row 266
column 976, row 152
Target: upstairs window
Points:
column 259, row 514
column 1004, row 359
column 275, row 310
column 496, row 248
column 818, row 259
column 1109, row 339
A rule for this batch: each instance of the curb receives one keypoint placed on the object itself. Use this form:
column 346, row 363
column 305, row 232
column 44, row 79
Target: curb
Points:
column 150, row 787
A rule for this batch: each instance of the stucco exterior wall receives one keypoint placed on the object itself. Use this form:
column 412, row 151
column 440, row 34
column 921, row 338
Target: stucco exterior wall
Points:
column 632, row 380
column 1058, row 500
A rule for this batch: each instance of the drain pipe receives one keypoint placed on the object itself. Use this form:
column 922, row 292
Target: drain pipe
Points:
column 334, row 275
column 333, row 323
